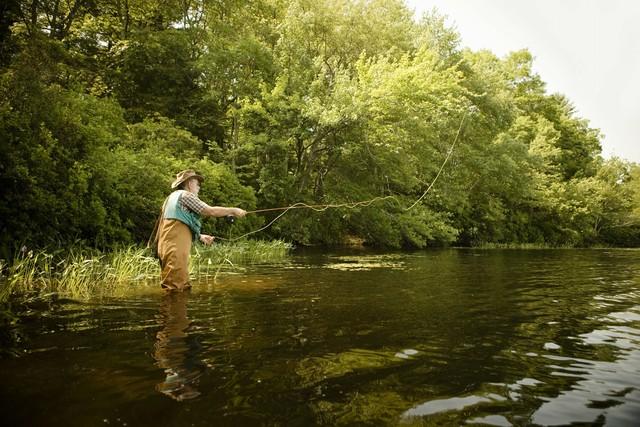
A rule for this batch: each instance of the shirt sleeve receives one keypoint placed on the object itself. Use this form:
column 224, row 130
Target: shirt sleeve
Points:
column 191, row 202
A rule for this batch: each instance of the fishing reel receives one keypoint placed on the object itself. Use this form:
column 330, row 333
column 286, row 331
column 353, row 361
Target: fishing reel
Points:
column 230, row 219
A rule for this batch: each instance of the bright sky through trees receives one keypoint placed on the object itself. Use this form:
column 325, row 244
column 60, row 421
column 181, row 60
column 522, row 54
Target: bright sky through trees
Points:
column 584, row 49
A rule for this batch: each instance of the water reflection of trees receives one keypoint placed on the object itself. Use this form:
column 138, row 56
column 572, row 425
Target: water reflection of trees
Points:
column 176, row 351
column 477, row 324
column 502, row 315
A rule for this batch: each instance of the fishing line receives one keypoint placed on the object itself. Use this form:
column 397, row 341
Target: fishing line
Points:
column 348, row 205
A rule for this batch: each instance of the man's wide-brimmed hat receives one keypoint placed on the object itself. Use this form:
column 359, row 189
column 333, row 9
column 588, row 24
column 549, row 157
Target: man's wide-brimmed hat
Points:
column 182, row 176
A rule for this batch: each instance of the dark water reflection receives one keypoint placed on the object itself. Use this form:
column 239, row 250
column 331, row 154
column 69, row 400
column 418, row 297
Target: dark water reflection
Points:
column 176, row 350
column 450, row 337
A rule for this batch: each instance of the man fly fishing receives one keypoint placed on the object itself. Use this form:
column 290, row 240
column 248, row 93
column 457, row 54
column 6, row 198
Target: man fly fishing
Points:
column 180, row 224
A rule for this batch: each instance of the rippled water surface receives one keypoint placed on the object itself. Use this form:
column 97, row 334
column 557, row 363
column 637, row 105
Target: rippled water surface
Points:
column 446, row 337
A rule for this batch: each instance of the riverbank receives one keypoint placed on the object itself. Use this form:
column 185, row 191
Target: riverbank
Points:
column 82, row 273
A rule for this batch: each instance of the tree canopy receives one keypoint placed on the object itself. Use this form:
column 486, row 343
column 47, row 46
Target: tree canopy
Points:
column 278, row 102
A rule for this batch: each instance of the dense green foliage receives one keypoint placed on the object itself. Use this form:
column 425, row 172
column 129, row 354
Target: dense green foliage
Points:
column 276, row 102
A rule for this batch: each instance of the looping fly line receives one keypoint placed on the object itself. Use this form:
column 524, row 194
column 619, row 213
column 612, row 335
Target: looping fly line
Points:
column 348, row 205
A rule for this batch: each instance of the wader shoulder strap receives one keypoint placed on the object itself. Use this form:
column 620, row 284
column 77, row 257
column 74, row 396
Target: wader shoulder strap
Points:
column 152, row 243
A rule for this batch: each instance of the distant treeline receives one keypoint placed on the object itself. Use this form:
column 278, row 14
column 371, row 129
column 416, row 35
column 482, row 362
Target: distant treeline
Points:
column 277, row 102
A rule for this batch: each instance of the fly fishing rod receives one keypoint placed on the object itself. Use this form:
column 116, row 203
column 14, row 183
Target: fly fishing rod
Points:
column 347, row 205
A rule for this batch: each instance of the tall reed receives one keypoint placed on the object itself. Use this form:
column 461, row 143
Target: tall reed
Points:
column 82, row 274
column 208, row 261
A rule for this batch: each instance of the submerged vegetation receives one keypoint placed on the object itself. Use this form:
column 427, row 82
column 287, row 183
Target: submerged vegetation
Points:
column 83, row 274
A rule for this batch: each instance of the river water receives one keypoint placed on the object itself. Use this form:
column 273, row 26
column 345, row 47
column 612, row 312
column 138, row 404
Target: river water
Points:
column 440, row 337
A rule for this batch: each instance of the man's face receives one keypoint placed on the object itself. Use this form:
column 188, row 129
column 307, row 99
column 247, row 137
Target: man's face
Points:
column 193, row 186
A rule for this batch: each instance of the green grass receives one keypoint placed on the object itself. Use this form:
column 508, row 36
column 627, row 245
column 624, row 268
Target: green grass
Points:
column 83, row 274
column 208, row 261
column 246, row 252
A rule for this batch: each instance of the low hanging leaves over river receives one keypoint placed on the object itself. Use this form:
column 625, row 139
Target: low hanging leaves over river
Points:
column 442, row 337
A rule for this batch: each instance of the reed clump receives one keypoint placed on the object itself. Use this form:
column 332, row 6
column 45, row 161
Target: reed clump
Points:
column 243, row 252
column 77, row 273
column 80, row 273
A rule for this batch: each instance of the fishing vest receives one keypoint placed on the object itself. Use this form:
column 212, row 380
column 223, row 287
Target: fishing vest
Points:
column 173, row 210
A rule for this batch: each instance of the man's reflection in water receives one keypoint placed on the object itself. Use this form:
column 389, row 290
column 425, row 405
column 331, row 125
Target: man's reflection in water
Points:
column 175, row 351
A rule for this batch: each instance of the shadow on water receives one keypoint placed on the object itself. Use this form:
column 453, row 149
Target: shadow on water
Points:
column 176, row 352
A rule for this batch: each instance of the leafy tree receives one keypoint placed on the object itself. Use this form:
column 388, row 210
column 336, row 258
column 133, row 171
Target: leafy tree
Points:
column 276, row 102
